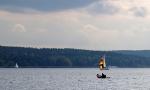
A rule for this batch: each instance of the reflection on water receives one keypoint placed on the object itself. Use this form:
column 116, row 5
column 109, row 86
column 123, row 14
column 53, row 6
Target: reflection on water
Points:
column 74, row 79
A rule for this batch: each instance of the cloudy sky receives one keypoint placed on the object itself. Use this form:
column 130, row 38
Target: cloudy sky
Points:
column 84, row 24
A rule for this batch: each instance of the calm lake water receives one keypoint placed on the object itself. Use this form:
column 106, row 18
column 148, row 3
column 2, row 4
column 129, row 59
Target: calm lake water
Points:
column 74, row 79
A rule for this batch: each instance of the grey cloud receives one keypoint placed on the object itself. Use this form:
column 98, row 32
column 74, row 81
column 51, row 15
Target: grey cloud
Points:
column 139, row 11
column 42, row 5
column 103, row 7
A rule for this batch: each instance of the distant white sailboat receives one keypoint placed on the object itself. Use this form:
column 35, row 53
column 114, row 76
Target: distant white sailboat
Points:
column 16, row 66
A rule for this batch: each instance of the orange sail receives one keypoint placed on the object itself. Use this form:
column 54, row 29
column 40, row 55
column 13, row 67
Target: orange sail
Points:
column 102, row 64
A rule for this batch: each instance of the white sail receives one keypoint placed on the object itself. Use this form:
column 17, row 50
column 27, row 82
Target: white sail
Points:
column 16, row 66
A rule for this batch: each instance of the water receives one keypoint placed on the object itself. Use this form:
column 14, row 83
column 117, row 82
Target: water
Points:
column 74, row 79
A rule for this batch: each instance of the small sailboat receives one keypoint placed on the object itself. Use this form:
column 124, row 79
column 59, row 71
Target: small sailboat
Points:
column 102, row 66
column 16, row 66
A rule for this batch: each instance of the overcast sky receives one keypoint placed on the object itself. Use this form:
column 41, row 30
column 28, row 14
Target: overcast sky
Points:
column 83, row 24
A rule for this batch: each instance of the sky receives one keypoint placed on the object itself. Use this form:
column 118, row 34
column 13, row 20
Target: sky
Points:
column 82, row 24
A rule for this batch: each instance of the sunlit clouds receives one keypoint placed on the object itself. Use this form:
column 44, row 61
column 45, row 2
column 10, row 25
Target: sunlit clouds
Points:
column 86, row 24
column 19, row 28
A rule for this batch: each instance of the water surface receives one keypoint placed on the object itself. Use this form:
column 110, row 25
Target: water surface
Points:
column 74, row 79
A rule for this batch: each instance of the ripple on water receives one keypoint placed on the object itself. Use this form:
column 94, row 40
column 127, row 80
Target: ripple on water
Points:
column 73, row 79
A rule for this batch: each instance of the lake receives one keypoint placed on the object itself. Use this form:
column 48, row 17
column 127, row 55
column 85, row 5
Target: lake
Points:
column 74, row 79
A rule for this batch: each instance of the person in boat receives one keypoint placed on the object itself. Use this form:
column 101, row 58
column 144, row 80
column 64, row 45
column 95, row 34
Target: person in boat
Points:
column 103, row 75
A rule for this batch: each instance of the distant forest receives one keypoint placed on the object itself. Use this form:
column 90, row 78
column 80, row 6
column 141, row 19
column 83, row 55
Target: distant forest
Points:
column 54, row 57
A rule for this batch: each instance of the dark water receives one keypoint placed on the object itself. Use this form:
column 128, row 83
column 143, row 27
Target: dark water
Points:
column 74, row 79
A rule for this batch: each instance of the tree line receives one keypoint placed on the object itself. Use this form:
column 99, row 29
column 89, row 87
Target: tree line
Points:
column 54, row 57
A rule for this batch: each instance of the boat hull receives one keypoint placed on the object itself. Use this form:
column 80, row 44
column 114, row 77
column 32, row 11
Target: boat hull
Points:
column 103, row 77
